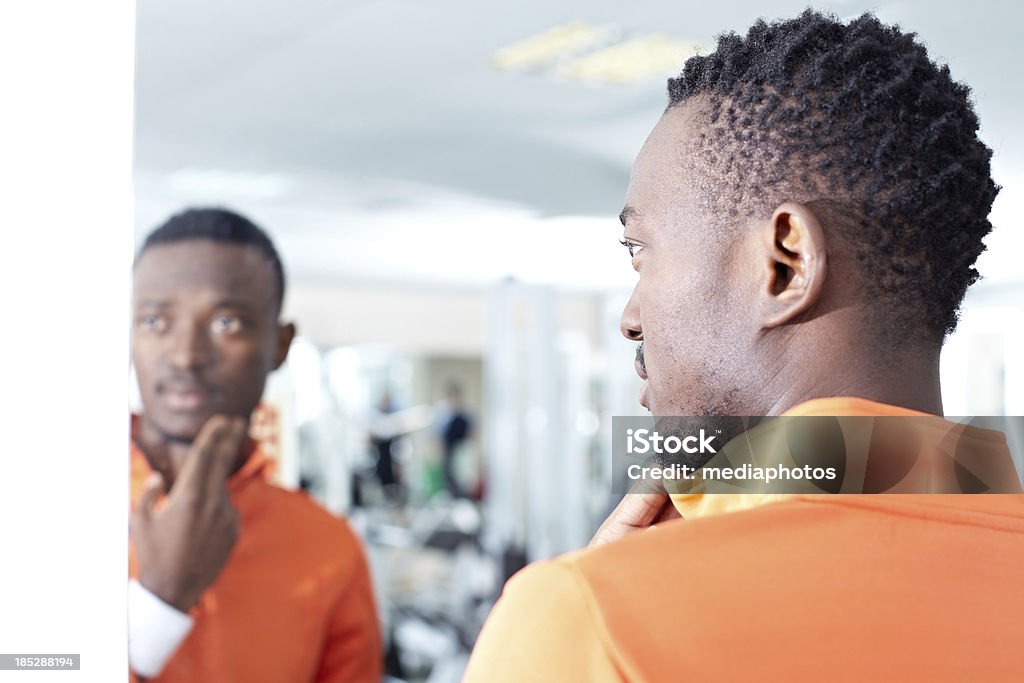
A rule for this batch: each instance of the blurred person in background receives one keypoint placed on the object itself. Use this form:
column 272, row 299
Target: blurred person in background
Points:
column 455, row 424
column 232, row 578
column 804, row 219
column 384, row 439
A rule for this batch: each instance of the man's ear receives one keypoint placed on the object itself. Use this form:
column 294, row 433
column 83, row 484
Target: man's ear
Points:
column 794, row 247
column 285, row 335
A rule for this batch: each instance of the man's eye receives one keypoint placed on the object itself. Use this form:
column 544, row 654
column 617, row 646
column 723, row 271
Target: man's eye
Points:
column 632, row 247
column 227, row 324
column 153, row 323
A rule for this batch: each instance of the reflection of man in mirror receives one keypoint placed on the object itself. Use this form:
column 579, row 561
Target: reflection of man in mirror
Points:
column 804, row 221
column 232, row 578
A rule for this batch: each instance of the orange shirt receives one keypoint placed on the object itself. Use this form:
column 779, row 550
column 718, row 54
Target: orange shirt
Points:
column 777, row 588
column 294, row 602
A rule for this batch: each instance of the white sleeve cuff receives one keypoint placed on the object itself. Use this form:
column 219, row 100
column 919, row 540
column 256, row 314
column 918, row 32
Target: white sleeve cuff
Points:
column 155, row 630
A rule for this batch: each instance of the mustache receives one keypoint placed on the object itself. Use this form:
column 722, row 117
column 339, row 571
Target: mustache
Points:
column 640, row 357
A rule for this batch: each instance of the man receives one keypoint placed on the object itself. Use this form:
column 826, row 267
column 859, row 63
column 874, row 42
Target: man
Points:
column 232, row 578
column 455, row 428
column 384, row 445
column 804, row 220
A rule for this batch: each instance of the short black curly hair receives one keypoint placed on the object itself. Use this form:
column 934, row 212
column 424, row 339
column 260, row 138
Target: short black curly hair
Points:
column 885, row 142
column 218, row 225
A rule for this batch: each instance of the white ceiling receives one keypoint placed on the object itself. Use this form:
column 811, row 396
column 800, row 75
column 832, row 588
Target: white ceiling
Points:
column 377, row 143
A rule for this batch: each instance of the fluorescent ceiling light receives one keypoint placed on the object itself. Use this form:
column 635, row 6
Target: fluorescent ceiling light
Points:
column 630, row 61
column 552, row 45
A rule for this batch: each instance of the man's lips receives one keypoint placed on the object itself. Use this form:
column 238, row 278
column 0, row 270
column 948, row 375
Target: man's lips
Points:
column 185, row 398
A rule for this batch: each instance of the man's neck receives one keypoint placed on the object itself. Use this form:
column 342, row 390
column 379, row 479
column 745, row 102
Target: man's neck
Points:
column 910, row 381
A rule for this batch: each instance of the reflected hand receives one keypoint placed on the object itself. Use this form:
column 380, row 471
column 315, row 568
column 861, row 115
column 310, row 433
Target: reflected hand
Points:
column 182, row 548
column 635, row 512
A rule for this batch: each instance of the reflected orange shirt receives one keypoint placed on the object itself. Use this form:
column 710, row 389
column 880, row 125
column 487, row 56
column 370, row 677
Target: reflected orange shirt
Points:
column 294, row 603
column 777, row 588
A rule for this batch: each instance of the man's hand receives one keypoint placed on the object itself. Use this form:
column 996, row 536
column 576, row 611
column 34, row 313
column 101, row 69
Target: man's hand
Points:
column 182, row 547
column 636, row 511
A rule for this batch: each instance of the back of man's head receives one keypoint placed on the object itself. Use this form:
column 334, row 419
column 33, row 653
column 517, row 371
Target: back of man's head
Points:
column 854, row 120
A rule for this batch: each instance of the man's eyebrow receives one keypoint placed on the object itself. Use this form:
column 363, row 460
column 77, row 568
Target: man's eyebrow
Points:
column 627, row 213
column 234, row 303
column 220, row 303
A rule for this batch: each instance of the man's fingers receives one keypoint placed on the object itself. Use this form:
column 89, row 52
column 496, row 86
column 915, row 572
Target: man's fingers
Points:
column 668, row 513
column 211, row 455
column 225, row 454
column 640, row 509
column 636, row 511
column 154, row 486
column 198, row 458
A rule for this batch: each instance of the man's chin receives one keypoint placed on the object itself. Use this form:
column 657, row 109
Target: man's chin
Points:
column 178, row 428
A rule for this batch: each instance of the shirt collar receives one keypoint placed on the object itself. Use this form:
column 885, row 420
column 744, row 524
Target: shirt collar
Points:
column 692, row 505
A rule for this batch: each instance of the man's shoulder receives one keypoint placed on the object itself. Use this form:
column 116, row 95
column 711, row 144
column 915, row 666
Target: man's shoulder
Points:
column 805, row 523
column 800, row 547
column 661, row 543
column 771, row 575
column 791, row 565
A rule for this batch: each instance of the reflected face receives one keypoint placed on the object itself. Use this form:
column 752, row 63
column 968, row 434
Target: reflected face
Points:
column 204, row 333
column 692, row 336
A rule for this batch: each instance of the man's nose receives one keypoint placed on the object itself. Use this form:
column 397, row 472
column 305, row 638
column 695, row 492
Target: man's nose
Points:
column 189, row 347
column 629, row 323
